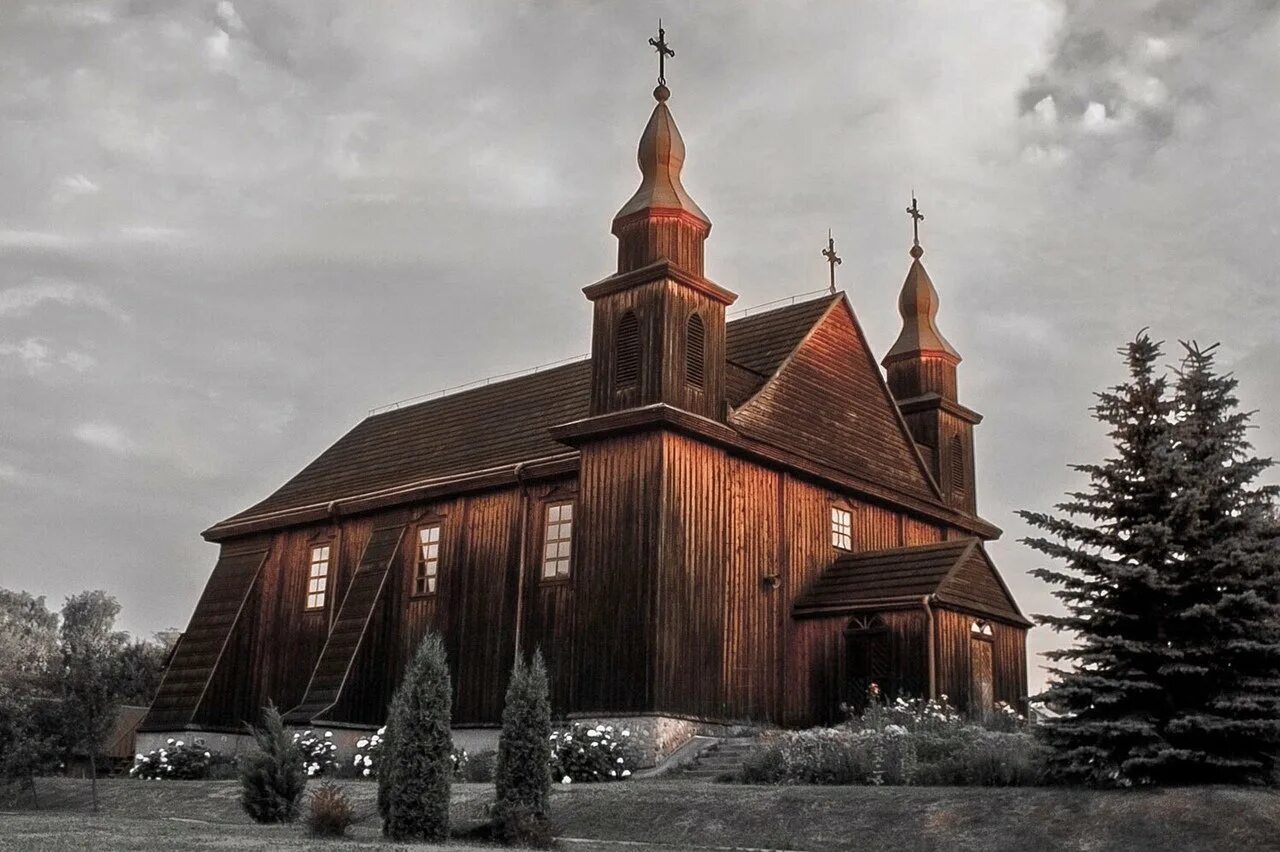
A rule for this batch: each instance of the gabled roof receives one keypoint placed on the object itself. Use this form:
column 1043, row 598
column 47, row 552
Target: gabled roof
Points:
column 506, row 422
column 954, row 573
column 827, row 400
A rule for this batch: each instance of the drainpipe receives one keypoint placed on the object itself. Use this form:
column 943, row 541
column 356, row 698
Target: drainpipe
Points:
column 930, row 640
column 524, row 531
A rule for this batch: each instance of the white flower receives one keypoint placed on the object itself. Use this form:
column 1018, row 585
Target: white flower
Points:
column 328, row 734
column 626, row 733
column 566, row 780
column 366, row 773
column 368, row 761
column 626, row 772
column 593, row 733
column 138, row 757
column 180, row 743
column 206, row 754
column 362, row 743
column 169, row 741
column 620, row 760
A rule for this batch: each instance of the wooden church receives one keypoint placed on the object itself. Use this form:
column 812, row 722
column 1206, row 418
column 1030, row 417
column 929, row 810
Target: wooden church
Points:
column 707, row 520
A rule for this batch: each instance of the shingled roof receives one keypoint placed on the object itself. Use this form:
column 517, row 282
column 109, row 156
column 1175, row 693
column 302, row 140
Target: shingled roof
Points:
column 506, row 422
column 957, row 573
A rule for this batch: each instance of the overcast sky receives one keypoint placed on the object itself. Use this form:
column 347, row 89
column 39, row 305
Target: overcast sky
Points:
column 227, row 230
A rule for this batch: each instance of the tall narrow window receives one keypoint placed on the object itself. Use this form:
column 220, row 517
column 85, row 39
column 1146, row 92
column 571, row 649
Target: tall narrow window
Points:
column 427, row 569
column 957, row 463
column 318, row 577
column 628, row 351
column 557, row 542
column 695, row 354
column 841, row 528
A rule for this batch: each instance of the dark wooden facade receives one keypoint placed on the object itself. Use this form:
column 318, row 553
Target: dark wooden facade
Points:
column 702, row 460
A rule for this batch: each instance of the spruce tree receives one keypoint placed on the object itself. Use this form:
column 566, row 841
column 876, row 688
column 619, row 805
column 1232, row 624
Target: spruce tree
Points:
column 414, row 778
column 1222, row 680
column 272, row 779
column 522, row 776
column 1115, row 539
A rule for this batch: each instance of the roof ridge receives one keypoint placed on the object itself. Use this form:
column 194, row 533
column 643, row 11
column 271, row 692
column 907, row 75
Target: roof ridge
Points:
column 904, row 548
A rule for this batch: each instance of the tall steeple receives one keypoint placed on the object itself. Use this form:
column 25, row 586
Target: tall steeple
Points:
column 659, row 335
column 661, row 220
column 921, row 368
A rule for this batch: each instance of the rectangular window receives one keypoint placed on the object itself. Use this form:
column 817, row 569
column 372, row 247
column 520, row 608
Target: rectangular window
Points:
column 318, row 577
column 427, row 569
column 556, row 541
column 841, row 528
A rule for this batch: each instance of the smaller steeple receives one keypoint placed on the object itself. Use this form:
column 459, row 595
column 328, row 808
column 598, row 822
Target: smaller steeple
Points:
column 921, row 368
column 661, row 220
column 921, row 361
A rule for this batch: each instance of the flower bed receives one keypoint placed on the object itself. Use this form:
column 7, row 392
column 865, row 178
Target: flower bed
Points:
column 588, row 753
column 177, row 760
column 913, row 742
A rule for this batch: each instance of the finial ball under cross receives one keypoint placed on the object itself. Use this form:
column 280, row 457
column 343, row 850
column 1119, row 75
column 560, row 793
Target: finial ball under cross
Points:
column 660, row 45
column 916, row 218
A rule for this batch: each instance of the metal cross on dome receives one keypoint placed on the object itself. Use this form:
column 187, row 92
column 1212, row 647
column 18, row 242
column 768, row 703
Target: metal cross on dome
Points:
column 660, row 45
column 916, row 218
column 832, row 258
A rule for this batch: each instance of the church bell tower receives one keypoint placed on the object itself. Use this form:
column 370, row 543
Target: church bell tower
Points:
column 921, row 369
column 658, row 335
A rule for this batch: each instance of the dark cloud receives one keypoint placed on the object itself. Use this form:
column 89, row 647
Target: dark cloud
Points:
column 230, row 229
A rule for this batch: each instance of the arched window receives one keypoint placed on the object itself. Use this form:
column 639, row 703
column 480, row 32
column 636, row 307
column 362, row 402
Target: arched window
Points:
column 980, row 629
column 628, row 351
column 957, row 463
column 695, row 352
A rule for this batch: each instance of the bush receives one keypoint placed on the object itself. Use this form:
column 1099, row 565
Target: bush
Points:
column 524, row 756
column 417, row 765
column 913, row 742
column 480, row 767
column 369, row 753
column 330, row 814
column 317, row 752
column 272, row 779
column 586, row 753
column 177, row 761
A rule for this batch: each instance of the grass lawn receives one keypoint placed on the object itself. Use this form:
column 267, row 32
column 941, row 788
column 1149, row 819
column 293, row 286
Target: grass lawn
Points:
column 658, row 815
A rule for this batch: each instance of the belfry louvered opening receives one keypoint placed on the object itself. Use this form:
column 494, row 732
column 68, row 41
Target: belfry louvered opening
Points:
column 628, row 350
column 695, row 366
column 957, row 463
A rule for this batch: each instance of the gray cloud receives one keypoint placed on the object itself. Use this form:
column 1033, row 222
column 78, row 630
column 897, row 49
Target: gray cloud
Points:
column 256, row 220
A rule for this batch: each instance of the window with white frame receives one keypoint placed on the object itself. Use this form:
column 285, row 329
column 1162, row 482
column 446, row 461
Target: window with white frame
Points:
column 557, row 547
column 318, row 577
column 841, row 528
column 427, row 568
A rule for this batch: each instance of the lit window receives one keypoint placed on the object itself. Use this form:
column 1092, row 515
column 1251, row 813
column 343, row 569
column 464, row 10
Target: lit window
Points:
column 556, row 546
column 318, row 577
column 841, row 528
column 427, row 569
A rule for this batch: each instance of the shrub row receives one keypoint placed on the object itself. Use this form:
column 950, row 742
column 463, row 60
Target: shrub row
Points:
column 918, row 742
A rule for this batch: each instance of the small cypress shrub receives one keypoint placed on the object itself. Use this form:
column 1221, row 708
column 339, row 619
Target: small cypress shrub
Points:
column 331, row 813
column 272, row 779
column 522, row 773
column 417, row 753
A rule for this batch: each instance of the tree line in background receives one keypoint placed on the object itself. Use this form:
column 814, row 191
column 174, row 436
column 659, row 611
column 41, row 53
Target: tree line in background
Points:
column 1171, row 587
column 63, row 678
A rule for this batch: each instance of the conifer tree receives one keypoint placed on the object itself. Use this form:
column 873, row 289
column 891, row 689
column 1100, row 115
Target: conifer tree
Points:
column 1114, row 537
column 272, row 779
column 414, row 779
column 522, row 776
column 1222, row 681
